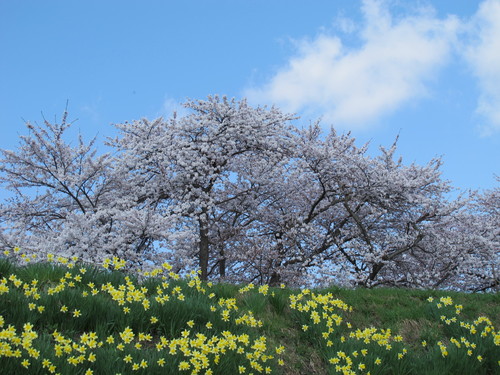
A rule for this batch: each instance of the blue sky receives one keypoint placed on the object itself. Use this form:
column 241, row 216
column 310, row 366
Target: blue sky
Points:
column 428, row 71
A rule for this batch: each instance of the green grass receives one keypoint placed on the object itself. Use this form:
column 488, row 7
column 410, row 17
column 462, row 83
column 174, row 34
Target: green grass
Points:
column 232, row 329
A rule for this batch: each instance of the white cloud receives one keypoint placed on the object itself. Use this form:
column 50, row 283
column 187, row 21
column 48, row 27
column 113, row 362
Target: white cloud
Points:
column 483, row 53
column 345, row 24
column 353, row 87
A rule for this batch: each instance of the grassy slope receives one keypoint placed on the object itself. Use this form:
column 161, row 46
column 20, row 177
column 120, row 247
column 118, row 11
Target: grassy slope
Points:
column 405, row 312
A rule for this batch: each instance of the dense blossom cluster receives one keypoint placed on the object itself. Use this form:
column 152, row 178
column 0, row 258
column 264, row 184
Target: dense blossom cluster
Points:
column 245, row 196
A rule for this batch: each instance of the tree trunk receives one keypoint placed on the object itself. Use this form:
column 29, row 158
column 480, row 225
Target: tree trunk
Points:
column 275, row 279
column 204, row 248
column 376, row 268
column 222, row 264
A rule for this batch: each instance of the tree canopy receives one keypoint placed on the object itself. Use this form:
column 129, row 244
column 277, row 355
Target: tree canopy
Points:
column 243, row 195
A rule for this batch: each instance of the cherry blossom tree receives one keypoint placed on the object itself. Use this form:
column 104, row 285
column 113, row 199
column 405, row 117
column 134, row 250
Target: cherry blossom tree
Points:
column 480, row 271
column 343, row 215
column 182, row 165
column 243, row 195
column 58, row 191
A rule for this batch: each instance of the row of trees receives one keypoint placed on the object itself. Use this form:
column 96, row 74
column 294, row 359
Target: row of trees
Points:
column 243, row 195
